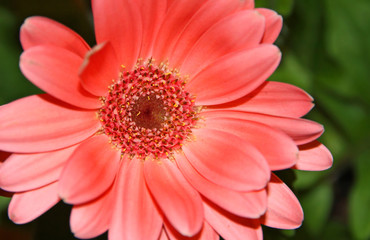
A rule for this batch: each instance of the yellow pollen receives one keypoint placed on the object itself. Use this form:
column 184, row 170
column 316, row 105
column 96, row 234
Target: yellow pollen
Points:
column 138, row 113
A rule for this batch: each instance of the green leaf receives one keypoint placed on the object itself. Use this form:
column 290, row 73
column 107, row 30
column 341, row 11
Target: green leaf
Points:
column 359, row 204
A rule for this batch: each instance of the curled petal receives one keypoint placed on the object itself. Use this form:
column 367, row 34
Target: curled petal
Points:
column 230, row 226
column 283, row 208
column 246, row 204
column 55, row 70
column 27, row 206
column 234, row 75
column 227, row 160
column 99, row 69
column 302, row 131
column 23, row 172
column 178, row 200
column 273, row 98
column 237, row 32
column 206, row 233
column 119, row 22
column 44, row 31
column 91, row 219
column 135, row 214
column 314, row 156
column 41, row 123
column 90, row 170
column 274, row 23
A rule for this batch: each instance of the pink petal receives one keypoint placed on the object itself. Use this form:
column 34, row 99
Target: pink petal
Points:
column 93, row 218
column 273, row 98
column 176, row 19
column 227, row 160
column 23, row 172
column 234, row 75
column 283, row 208
column 153, row 13
column 163, row 235
column 44, row 31
column 41, row 123
column 99, row 69
column 178, row 200
column 135, row 214
column 245, row 204
column 90, row 170
column 119, row 22
column 314, row 156
column 239, row 31
column 55, row 70
column 230, row 226
column 274, row 23
column 209, row 14
column 279, row 150
column 248, row 4
column 206, row 233
column 300, row 130
column 27, row 206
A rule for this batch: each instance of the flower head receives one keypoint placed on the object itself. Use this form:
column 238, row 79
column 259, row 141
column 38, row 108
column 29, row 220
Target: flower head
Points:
column 166, row 129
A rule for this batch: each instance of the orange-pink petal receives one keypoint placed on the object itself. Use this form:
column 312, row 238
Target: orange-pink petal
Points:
column 274, row 23
column 178, row 200
column 27, row 206
column 227, row 160
column 55, row 70
column 279, row 150
column 99, row 69
column 90, row 170
column 230, row 226
column 206, row 233
column 119, row 22
column 23, row 172
column 135, row 215
column 273, row 98
column 41, row 123
column 283, row 208
column 91, row 219
column 246, row 204
column 44, row 31
column 314, row 156
column 239, row 31
column 234, row 75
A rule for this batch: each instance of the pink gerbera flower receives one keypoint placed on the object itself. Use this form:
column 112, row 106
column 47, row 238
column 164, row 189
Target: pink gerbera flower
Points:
column 166, row 129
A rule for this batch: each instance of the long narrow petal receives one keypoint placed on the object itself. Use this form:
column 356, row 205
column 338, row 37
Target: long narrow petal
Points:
column 234, row 75
column 227, row 160
column 279, row 150
column 302, row 131
column 314, row 156
column 55, row 70
column 119, row 21
column 27, row 206
column 206, row 233
column 90, row 170
column 135, row 214
column 93, row 218
column 209, row 14
column 23, row 172
column 273, row 98
column 44, row 31
column 176, row 19
column 239, row 31
column 245, row 204
column 231, row 226
column 274, row 23
column 153, row 13
column 41, row 123
column 99, row 69
column 178, row 200
column 283, row 208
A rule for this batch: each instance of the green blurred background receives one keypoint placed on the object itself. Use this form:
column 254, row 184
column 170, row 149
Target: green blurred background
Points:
column 326, row 51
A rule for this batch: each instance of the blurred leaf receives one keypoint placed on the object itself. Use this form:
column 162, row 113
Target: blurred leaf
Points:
column 317, row 204
column 359, row 204
column 335, row 231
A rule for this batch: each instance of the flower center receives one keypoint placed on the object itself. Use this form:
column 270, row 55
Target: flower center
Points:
column 148, row 112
